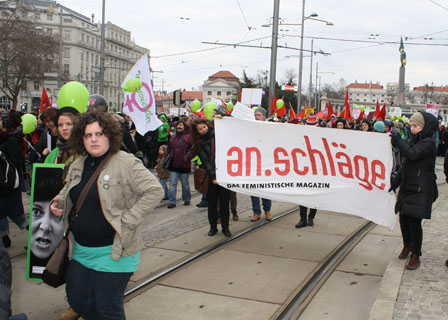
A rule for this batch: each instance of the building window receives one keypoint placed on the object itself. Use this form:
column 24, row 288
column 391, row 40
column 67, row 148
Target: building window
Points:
column 49, row 31
column 218, row 93
column 228, row 93
column 49, row 17
column 209, row 93
column 66, row 69
column 365, row 100
column 37, row 16
column 67, row 35
column 66, row 52
column 68, row 20
column 82, row 37
column 36, row 85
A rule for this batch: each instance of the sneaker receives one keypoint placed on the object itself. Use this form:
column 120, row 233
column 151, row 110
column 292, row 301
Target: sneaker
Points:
column 255, row 217
column 202, row 205
column 170, row 206
column 70, row 314
column 414, row 262
column 186, row 203
column 6, row 241
column 405, row 252
column 268, row 215
column 235, row 217
column 301, row 224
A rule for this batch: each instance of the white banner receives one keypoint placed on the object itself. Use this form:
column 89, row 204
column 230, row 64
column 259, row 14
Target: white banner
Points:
column 141, row 105
column 315, row 167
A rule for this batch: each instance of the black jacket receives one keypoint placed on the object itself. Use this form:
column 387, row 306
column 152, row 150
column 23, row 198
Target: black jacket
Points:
column 417, row 179
column 207, row 154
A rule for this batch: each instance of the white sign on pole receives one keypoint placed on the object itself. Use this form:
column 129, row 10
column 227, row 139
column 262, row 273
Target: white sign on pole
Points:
column 315, row 167
column 433, row 109
column 251, row 96
column 395, row 111
column 141, row 105
column 240, row 111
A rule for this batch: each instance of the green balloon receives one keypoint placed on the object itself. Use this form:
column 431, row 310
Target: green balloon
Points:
column 208, row 110
column 74, row 94
column 230, row 106
column 195, row 105
column 254, row 108
column 133, row 85
column 362, row 108
column 280, row 103
column 29, row 123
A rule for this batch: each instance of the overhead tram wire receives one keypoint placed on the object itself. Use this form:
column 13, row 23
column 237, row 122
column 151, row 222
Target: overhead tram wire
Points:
column 244, row 17
column 203, row 50
column 437, row 4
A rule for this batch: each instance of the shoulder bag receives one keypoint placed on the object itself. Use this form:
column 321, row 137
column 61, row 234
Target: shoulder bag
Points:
column 55, row 271
column 201, row 178
column 167, row 162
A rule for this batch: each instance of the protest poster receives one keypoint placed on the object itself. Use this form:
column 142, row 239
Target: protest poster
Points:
column 251, row 96
column 141, row 105
column 311, row 166
column 240, row 111
column 46, row 230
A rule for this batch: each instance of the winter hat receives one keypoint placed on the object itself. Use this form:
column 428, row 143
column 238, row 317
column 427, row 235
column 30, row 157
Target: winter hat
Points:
column 379, row 126
column 261, row 110
column 311, row 120
column 418, row 119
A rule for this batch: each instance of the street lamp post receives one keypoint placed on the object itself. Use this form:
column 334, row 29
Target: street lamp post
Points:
column 60, row 49
column 273, row 54
column 311, row 73
column 102, row 49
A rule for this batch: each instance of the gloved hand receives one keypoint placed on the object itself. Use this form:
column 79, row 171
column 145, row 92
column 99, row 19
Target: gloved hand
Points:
column 396, row 137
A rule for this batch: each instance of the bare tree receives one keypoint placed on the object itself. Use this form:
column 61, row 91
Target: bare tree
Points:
column 26, row 52
column 290, row 77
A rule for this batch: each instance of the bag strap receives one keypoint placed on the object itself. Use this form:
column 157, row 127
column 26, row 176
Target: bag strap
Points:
column 85, row 190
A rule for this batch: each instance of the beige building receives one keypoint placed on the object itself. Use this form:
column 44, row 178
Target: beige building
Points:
column 81, row 52
column 221, row 85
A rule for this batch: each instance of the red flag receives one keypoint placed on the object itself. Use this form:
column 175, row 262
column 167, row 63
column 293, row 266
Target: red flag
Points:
column 382, row 114
column 292, row 113
column 302, row 114
column 377, row 109
column 273, row 105
column 281, row 112
column 328, row 112
column 44, row 101
column 361, row 115
column 346, row 112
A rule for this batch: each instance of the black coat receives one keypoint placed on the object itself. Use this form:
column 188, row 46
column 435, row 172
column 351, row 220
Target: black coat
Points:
column 207, row 154
column 417, row 179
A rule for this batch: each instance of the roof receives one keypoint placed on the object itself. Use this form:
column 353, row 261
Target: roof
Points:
column 431, row 89
column 186, row 95
column 364, row 86
column 225, row 75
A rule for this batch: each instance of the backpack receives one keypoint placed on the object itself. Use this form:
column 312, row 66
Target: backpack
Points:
column 9, row 178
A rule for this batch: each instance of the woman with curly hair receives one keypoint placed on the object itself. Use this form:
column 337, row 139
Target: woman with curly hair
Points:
column 105, row 239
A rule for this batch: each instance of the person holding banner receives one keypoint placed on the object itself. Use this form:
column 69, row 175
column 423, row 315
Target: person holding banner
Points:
column 417, row 182
column 260, row 115
column 105, row 239
column 203, row 139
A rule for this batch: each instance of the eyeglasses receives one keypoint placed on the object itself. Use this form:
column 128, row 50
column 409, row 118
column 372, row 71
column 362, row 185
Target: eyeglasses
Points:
column 97, row 134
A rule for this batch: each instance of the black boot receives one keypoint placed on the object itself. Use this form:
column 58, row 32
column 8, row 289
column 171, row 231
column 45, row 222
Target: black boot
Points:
column 302, row 223
column 6, row 241
column 310, row 222
column 212, row 232
column 226, row 232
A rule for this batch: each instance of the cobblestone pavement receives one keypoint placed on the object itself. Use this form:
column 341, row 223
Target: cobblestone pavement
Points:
column 194, row 218
column 424, row 292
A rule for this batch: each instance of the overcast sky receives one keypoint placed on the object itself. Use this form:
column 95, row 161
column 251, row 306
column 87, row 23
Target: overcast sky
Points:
column 158, row 25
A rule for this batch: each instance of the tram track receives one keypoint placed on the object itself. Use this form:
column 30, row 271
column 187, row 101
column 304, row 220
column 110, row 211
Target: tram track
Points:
column 297, row 302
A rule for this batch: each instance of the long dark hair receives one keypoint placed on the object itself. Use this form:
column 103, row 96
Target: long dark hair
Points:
column 47, row 183
column 194, row 135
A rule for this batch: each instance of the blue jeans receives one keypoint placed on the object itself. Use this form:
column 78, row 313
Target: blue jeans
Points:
column 12, row 206
column 186, row 194
column 96, row 295
column 165, row 188
column 256, row 205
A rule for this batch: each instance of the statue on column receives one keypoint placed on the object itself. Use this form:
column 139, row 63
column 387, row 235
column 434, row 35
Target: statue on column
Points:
column 402, row 53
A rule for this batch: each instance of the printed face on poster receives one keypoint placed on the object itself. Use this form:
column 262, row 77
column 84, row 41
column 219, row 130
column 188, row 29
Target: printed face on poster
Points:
column 46, row 230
